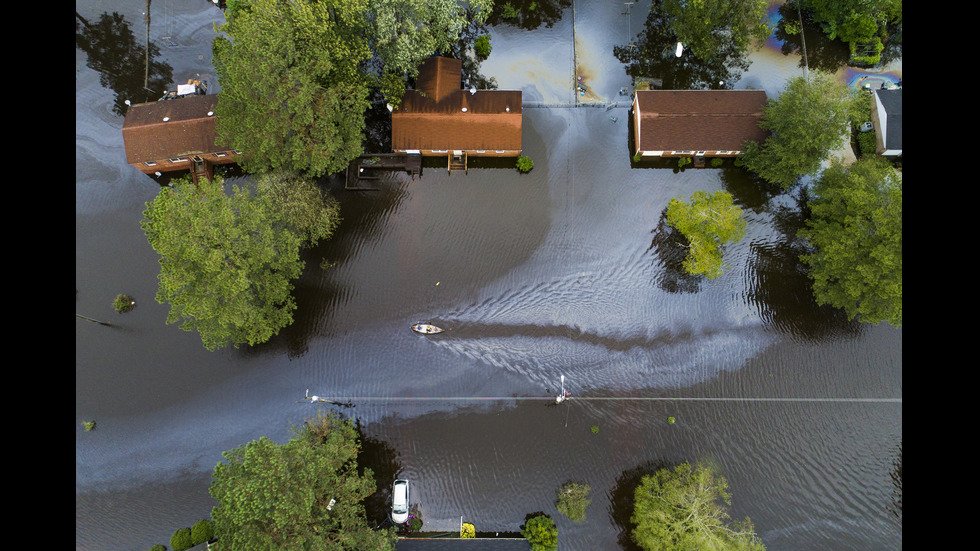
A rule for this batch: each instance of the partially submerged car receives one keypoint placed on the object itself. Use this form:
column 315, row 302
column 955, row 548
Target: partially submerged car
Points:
column 399, row 502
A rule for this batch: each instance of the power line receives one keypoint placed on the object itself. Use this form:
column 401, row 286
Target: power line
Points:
column 614, row 399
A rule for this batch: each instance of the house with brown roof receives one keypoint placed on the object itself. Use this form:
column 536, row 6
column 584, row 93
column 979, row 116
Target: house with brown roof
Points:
column 696, row 123
column 175, row 134
column 441, row 118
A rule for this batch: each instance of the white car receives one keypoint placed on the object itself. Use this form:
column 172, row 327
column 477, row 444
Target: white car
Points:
column 399, row 502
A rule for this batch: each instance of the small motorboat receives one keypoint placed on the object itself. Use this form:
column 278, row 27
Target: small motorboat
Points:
column 426, row 329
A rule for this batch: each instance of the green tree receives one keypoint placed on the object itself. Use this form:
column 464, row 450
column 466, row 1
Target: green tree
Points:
column 301, row 205
column 863, row 24
column 202, row 531
column 305, row 494
column 714, row 67
column 807, row 121
column 181, row 539
column 541, row 532
column 226, row 262
column 709, row 221
column 706, row 26
column 855, row 231
column 293, row 90
column 404, row 32
column 685, row 509
column 573, row 498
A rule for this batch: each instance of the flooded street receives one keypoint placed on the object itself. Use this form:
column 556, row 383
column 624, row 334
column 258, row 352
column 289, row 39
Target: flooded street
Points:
column 562, row 271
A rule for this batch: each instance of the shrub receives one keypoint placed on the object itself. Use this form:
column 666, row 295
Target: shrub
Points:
column 716, row 162
column 572, row 500
column 414, row 524
column 159, row 547
column 482, row 46
column 541, row 532
column 595, row 429
column 524, row 164
column 683, row 161
column 468, row 531
column 202, row 531
column 181, row 540
column 89, row 425
column 123, row 303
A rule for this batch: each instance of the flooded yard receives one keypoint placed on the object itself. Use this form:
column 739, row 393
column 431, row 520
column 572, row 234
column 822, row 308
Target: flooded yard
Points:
column 562, row 271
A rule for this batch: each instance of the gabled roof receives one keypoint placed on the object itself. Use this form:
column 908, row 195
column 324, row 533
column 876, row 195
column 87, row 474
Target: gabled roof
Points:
column 190, row 130
column 439, row 114
column 699, row 120
column 891, row 102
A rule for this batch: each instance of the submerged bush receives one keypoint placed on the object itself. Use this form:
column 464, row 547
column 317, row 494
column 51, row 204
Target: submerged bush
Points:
column 123, row 303
column 468, row 531
column 572, row 500
column 202, row 531
column 181, row 540
column 524, row 164
column 541, row 532
column 482, row 46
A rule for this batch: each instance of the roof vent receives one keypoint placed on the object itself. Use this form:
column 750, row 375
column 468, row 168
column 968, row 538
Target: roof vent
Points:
column 165, row 119
column 210, row 113
column 507, row 109
column 464, row 109
column 472, row 90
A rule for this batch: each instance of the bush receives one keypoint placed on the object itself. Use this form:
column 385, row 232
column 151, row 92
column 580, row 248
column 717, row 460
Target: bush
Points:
column 716, row 162
column 540, row 531
column 202, row 531
column 414, row 524
column 89, row 425
column 572, row 500
column 123, row 303
column 468, row 531
column 524, row 164
column 181, row 540
column 159, row 547
column 482, row 46
column 683, row 161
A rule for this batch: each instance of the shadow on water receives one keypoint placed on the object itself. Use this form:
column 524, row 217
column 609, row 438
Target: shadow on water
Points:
column 128, row 68
column 670, row 247
column 384, row 463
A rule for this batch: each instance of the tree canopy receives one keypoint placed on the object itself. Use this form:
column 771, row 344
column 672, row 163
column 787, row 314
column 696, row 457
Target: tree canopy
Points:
column 227, row 261
column 540, row 532
column 706, row 26
column 293, row 94
column 685, row 509
column 863, row 24
column 709, row 221
column 572, row 500
column 855, row 231
column 807, row 121
column 296, row 77
column 715, row 34
column 305, row 494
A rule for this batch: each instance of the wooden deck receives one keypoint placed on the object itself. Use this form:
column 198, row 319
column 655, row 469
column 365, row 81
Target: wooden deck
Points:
column 369, row 167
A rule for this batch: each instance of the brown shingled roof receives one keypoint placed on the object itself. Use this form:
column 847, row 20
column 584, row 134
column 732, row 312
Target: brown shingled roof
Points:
column 440, row 115
column 189, row 130
column 699, row 120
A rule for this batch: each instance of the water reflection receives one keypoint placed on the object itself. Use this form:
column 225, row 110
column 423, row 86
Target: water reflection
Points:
column 130, row 69
column 653, row 57
column 528, row 14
